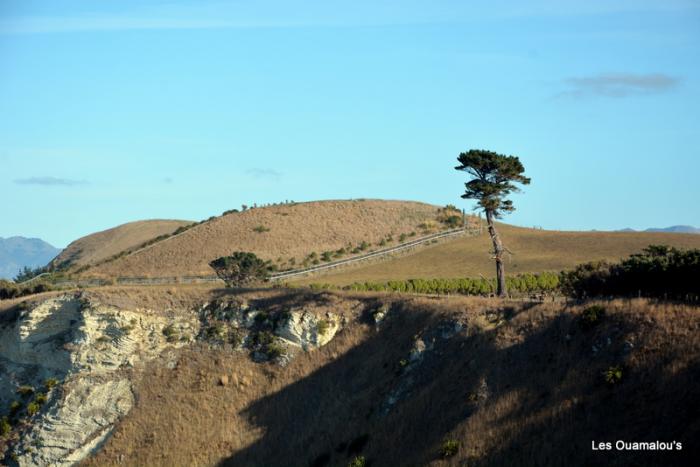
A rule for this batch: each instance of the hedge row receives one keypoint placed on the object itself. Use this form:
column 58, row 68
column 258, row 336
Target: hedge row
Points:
column 544, row 283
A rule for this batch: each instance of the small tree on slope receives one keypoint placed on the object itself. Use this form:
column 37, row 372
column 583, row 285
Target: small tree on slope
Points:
column 493, row 180
column 241, row 268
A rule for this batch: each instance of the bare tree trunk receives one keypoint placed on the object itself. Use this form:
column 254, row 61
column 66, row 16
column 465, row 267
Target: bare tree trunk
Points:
column 498, row 252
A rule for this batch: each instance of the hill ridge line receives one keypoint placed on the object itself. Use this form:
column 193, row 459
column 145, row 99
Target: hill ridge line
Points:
column 281, row 275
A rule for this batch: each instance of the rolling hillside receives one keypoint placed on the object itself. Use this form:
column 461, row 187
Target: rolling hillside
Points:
column 282, row 231
column 100, row 245
column 532, row 250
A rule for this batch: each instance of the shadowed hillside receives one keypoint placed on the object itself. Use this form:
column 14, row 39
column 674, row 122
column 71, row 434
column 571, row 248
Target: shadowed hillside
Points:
column 532, row 250
column 512, row 384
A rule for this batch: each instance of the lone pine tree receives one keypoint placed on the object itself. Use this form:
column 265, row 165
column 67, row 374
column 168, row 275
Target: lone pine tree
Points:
column 494, row 177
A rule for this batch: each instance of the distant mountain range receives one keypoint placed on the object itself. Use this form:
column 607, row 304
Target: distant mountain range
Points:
column 672, row 229
column 18, row 252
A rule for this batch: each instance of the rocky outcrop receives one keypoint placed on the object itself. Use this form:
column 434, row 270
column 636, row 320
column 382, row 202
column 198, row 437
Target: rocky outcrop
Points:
column 267, row 335
column 416, row 369
column 306, row 330
column 86, row 347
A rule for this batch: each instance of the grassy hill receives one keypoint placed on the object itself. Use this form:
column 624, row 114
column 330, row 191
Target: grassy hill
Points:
column 532, row 250
column 98, row 246
column 287, row 233
column 516, row 384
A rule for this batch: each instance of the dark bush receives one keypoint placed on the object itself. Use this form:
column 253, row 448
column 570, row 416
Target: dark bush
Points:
column 592, row 316
column 241, row 268
column 8, row 290
column 452, row 221
column 659, row 271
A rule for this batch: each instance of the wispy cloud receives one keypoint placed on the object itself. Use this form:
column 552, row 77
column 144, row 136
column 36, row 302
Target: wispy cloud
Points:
column 280, row 14
column 263, row 173
column 618, row 85
column 49, row 181
column 44, row 25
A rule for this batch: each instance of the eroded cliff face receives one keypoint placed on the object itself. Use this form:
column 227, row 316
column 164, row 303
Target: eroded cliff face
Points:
column 65, row 372
column 68, row 364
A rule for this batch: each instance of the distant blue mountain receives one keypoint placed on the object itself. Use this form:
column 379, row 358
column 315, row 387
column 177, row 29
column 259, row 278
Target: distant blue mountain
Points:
column 18, row 252
column 672, row 229
column 676, row 229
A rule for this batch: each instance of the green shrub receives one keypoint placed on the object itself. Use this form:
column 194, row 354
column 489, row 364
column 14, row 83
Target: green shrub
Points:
column 262, row 339
column 591, row 316
column 613, row 375
column 50, row 383
column 5, row 427
column 261, row 229
column 358, row 461
column 235, row 337
column 452, row 221
column 32, row 408
column 275, row 350
column 269, row 344
column 449, row 448
column 41, row 399
column 15, row 407
column 326, row 256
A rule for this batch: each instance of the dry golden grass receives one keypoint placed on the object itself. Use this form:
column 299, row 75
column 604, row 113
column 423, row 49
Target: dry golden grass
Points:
column 294, row 231
column 532, row 251
column 523, row 389
column 100, row 245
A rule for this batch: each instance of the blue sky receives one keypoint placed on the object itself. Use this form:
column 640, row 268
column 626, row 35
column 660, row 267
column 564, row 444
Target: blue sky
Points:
column 114, row 111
